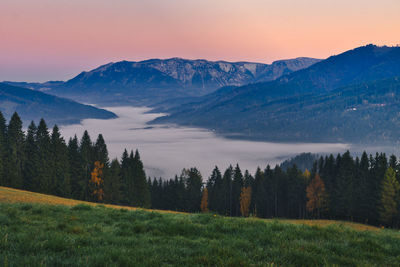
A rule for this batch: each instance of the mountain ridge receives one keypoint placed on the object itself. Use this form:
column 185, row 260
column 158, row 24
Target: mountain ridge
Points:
column 246, row 112
column 155, row 80
column 34, row 105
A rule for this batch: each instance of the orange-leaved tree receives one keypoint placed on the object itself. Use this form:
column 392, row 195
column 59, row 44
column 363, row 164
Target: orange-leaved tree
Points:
column 96, row 182
column 204, row 201
column 316, row 195
column 245, row 200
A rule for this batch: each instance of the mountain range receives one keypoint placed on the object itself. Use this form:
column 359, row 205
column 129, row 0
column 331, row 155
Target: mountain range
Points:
column 151, row 81
column 34, row 105
column 351, row 97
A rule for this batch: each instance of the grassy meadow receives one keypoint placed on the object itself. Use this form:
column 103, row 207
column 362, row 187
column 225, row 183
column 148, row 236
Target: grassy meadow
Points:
column 40, row 230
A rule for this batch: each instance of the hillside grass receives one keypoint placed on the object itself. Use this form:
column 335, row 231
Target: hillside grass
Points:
column 75, row 233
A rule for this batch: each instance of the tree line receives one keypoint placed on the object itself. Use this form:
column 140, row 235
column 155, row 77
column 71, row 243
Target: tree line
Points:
column 41, row 161
column 363, row 189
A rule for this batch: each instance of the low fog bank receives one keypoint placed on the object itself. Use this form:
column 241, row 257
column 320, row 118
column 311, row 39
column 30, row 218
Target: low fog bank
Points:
column 165, row 150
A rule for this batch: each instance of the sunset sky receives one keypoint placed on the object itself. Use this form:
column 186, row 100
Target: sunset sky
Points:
column 56, row 39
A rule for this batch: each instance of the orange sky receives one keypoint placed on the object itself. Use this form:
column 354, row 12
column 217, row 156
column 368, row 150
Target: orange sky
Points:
column 56, row 39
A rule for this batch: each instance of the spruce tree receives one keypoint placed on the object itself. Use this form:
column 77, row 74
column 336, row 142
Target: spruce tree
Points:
column 389, row 196
column 76, row 170
column 141, row 194
column 60, row 164
column 15, row 153
column 100, row 151
column 112, row 185
column 215, row 191
column 87, row 157
column 3, row 149
column 227, row 190
column 194, row 184
column 45, row 178
column 31, row 168
column 237, row 185
column 127, row 180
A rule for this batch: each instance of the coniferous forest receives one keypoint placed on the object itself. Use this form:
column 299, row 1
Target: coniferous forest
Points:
column 364, row 189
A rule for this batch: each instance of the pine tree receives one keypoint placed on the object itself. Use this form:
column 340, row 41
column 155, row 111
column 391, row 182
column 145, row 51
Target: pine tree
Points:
column 60, row 164
column 237, row 185
column 76, row 169
column 296, row 192
column 227, row 190
column 345, row 187
column 31, row 179
column 259, row 195
column 389, row 195
column 141, row 193
column 15, row 152
column 87, row 161
column 46, row 181
column 112, row 184
column 127, row 179
column 100, row 151
column 194, row 184
column 3, row 149
column 215, row 191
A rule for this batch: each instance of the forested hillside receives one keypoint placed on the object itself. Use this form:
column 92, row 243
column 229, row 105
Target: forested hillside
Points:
column 362, row 189
column 33, row 105
column 352, row 97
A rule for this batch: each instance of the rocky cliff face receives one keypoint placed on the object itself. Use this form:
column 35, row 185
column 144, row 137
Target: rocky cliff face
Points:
column 201, row 75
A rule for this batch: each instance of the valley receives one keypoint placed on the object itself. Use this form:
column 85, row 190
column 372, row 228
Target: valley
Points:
column 166, row 148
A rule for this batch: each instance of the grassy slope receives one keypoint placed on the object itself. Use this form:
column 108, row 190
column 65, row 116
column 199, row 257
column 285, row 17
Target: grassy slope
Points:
column 64, row 234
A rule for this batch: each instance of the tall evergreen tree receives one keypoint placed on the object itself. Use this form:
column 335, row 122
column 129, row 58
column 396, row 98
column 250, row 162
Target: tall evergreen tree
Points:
column 141, row 194
column 112, row 184
column 127, row 179
column 215, row 191
column 60, row 164
column 237, row 184
column 15, row 152
column 87, row 163
column 3, row 149
column 259, row 195
column 194, row 184
column 46, row 180
column 76, row 169
column 227, row 190
column 100, row 151
column 31, row 167
column 389, row 197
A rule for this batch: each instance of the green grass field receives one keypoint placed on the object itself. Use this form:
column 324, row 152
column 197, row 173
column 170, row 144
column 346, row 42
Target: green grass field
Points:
column 43, row 230
column 34, row 234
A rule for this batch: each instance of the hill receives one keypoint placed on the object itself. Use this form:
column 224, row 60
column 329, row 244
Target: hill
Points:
column 151, row 81
column 313, row 104
column 34, row 105
column 45, row 234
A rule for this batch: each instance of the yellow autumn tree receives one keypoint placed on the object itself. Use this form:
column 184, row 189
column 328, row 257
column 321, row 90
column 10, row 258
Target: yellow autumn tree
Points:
column 96, row 182
column 307, row 175
column 316, row 195
column 245, row 200
column 204, row 201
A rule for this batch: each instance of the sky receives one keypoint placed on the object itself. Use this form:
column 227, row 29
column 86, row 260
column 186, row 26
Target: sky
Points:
column 57, row 39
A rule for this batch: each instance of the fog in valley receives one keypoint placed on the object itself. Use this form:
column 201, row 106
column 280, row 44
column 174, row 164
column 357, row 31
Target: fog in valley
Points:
column 166, row 149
